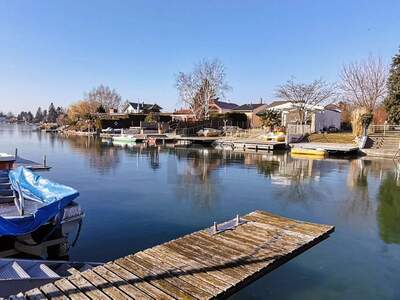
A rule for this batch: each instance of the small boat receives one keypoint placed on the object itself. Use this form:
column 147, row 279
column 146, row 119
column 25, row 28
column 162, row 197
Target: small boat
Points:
column 30, row 204
column 276, row 136
column 21, row 275
column 124, row 138
column 209, row 132
column 303, row 151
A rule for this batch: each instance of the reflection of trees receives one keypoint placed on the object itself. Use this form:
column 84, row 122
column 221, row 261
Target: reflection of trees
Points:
column 99, row 157
column 194, row 181
column 388, row 213
column 358, row 202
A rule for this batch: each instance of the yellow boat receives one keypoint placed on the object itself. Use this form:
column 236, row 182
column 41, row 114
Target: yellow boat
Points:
column 302, row 151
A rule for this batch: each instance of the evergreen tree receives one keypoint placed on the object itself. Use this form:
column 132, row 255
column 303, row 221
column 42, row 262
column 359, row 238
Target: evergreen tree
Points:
column 29, row 117
column 39, row 115
column 44, row 119
column 392, row 101
column 52, row 114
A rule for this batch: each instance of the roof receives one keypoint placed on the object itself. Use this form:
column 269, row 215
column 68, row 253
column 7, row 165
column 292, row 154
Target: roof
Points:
column 225, row 105
column 144, row 106
column 333, row 107
column 183, row 111
column 276, row 103
column 248, row 107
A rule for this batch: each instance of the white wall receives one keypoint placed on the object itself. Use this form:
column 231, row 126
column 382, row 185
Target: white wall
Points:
column 327, row 118
column 129, row 110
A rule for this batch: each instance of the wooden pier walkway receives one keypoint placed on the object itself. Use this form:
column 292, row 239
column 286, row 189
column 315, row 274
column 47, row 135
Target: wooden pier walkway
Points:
column 201, row 265
column 249, row 144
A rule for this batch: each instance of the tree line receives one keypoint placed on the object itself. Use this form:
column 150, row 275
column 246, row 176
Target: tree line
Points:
column 365, row 90
column 47, row 116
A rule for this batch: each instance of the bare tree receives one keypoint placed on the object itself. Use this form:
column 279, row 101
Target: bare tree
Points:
column 363, row 83
column 204, row 84
column 306, row 97
column 104, row 97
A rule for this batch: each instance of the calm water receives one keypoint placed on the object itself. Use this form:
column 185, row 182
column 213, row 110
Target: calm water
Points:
column 135, row 198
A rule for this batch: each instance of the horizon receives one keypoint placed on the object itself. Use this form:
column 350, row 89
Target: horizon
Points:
column 55, row 52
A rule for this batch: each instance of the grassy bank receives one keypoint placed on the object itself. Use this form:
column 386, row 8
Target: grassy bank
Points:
column 341, row 137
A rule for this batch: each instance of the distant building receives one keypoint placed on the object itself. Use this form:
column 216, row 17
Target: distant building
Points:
column 138, row 108
column 321, row 117
column 251, row 111
column 183, row 114
column 113, row 111
column 221, row 107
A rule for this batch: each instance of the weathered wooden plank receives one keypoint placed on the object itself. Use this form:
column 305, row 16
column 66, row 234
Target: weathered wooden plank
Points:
column 294, row 225
column 169, row 276
column 138, row 282
column 155, row 280
column 225, row 272
column 163, row 263
column 35, row 294
column 104, row 285
column 217, row 258
column 213, row 277
column 223, row 254
column 120, row 283
column 86, row 287
column 70, row 290
column 237, row 254
column 52, row 292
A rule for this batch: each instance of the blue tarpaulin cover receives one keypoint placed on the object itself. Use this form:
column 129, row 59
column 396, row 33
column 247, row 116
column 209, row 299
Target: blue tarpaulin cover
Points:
column 53, row 196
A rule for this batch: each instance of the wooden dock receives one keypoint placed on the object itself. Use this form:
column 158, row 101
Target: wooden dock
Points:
column 201, row 265
column 330, row 147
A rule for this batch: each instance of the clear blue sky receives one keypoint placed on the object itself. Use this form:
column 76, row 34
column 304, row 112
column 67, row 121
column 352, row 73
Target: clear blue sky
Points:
column 56, row 50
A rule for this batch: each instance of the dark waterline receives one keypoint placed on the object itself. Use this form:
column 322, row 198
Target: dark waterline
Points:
column 136, row 198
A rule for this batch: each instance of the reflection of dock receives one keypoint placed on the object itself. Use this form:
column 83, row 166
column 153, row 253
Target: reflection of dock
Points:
column 330, row 147
column 201, row 265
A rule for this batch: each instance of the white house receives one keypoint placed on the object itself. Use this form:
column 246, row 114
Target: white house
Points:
column 140, row 107
column 321, row 117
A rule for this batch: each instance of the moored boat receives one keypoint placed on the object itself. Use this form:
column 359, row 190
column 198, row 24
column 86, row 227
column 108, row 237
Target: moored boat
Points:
column 303, row 151
column 35, row 214
column 127, row 138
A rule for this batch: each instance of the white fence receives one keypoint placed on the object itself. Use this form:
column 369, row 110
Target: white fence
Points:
column 294, row 129
column 384, row 129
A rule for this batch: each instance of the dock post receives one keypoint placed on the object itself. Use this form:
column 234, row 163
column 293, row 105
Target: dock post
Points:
column 215, row 227
column 16, row 153
column 44, row 161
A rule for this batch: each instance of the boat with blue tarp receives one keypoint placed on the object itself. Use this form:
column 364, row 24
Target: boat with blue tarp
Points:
column 36, row 213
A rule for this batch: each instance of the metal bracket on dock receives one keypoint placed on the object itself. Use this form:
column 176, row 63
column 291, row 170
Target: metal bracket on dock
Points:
column 229, row 225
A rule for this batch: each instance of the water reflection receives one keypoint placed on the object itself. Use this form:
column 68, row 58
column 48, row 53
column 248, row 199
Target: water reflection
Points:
column 388, row 213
